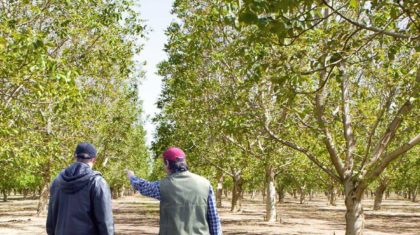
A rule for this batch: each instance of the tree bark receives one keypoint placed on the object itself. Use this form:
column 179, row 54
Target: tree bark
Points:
column 236, row 193
column 121, row 192
column 219, row 191
column 4, row 195
column 332, row 195
column 379, row 194
column 302, row 194
column 270, row 204
column 414, row 194
column 281, row 193
column 45, row 189
column 355, row 219
column 263, row 194
column 114, row 193
column 311, row 194
column 43, row 199
column 253, row 193
column 25, row 193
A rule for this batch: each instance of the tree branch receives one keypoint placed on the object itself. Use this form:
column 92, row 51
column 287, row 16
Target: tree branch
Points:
column 392, row 128
column 347, row 125
column 407, row 12
column 370, row 28
column 388, row 158
column 233, row 141
column 376, row 124
column 304, row 151
column 321, row 86
column 14, row 92
column 328, row 140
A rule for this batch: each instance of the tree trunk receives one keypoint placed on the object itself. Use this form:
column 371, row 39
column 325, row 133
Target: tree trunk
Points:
column 355, row 219
column 219, row 191
column 120, row 192
column 114, row 193
column 44, row 190
column 311, row 194
column 379, row 194
column 240, row 198
column 414, row 194
column 4, row 195
column 281, row 193
column 43, row 199
column 25, row 193
column 332, row 195
column 236, row 193
column 225, row 192
column 294, row 194
column 253, row 193
column 263, row 193
column 302, row 194
column 387, row 194
column 270, row 204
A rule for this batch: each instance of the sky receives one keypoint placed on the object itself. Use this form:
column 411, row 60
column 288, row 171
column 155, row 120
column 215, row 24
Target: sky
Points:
column 157, row 16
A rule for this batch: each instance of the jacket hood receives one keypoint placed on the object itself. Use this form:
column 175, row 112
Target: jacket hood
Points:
column 75, row 177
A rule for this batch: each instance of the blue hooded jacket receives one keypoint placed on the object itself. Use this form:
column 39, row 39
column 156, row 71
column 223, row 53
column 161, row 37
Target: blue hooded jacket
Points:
column 80, row 203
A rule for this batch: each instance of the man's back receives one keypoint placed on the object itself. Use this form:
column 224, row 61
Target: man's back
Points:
column 184, row 204
column 80, row 203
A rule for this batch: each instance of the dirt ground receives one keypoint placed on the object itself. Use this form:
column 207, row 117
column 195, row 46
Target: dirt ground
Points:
column 139, row 215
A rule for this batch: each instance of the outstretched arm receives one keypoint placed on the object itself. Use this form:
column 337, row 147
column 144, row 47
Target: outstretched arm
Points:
column 145, row 188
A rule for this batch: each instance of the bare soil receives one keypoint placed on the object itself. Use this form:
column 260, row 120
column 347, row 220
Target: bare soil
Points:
column 140, row 215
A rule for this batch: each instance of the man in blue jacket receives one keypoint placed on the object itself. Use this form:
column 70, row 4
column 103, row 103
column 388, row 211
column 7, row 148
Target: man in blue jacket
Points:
column 187, row 204
column 80, row 199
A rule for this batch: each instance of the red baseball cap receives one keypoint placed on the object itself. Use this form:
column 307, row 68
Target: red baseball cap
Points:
column 173, row 153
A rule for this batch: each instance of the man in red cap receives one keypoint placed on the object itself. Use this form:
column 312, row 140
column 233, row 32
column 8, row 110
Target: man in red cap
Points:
column 187, row 204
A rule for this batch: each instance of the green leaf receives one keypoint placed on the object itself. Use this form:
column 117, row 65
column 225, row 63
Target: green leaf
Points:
column 354, row 4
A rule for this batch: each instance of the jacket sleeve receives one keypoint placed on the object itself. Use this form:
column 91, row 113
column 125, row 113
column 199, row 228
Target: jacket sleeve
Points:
column 51, row 211
column 212, row 216
column 102, row 208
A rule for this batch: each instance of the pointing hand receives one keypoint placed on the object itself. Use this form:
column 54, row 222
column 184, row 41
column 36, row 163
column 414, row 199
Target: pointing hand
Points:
column 129, row 173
